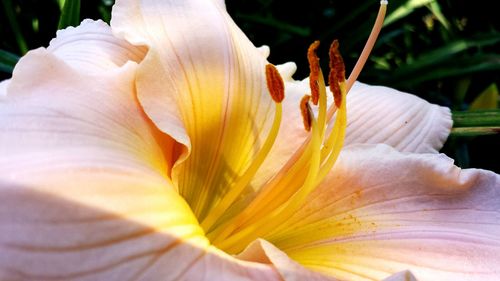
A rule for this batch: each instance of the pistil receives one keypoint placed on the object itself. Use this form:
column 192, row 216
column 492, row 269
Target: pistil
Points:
column 379, row 22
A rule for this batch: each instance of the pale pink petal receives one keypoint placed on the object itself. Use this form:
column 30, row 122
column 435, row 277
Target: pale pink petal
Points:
column 377, row 114
column 217, row 265
column 46, row 100
column 401, row 276
column 92, row 47
column 264, row 252
column 264, row 51
column 287, row 70
column 203, row 83
column 381, row 211
column 3, row 88
column 84, row 188
column 222, row 3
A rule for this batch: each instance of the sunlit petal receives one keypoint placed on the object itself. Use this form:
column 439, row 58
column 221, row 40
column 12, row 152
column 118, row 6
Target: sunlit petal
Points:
column 107, row 226
column 203, row 83
column 92, row 47
column 85, row 193
column 381, row 211
column 264, row 252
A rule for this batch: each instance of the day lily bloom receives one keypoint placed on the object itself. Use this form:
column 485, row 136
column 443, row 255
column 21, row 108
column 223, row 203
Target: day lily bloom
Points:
column 167, row 147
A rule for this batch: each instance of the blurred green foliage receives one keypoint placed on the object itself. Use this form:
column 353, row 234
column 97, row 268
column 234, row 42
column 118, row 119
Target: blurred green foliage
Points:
column 446, row 51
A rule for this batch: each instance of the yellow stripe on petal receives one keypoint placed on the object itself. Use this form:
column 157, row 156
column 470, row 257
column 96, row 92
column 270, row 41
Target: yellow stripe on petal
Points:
column 276, row 89
column 380, row 212
column 282, row 196
column 206, row 89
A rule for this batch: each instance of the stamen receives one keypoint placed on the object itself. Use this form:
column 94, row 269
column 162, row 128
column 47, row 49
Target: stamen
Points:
column 306, row 111
column 275, row 83
column 335, row 141
column 270, row 197
column 337, row 72
column 284, row 194
column 315, row 69
column 287, row 181
column 317, row 86
column 270, row 221
column 337, row 82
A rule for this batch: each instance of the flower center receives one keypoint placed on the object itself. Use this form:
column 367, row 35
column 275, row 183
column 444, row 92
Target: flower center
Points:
column 232, row 223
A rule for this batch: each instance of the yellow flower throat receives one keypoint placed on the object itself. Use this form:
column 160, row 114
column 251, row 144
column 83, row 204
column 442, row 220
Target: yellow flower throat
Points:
column 231, row 228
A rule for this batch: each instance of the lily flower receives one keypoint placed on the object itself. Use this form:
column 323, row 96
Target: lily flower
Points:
column 166, row 147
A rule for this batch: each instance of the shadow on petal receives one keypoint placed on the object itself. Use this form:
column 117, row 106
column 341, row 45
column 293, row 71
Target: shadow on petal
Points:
column 43, row 237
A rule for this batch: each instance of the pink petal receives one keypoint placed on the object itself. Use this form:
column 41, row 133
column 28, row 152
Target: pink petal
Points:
column 84, row 187
column 264, row 252
column 92, row 46
column 379, row 114
column 3, row 88
column 203, row 83
column 380, row 211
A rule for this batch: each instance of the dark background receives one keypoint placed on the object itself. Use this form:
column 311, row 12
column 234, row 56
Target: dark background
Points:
column 446, row 51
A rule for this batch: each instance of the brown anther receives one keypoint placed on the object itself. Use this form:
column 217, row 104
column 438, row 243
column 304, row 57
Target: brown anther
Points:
column 314, row 67
column 337, row 72
column 275, row 83
column 306, row 112
column 337, row 94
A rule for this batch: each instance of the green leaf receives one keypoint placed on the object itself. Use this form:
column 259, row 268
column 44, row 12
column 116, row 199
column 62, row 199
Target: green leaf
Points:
column 488, row 99
column 453, row 67
column 474, row 131
column 405, row 10
column 61, row 4
column 456, row 58
column 475, row 123
column 7, row 61
column 435, row 8
column 446, row 52
column 476, row 118
column 70, row 14
column 11, row 16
